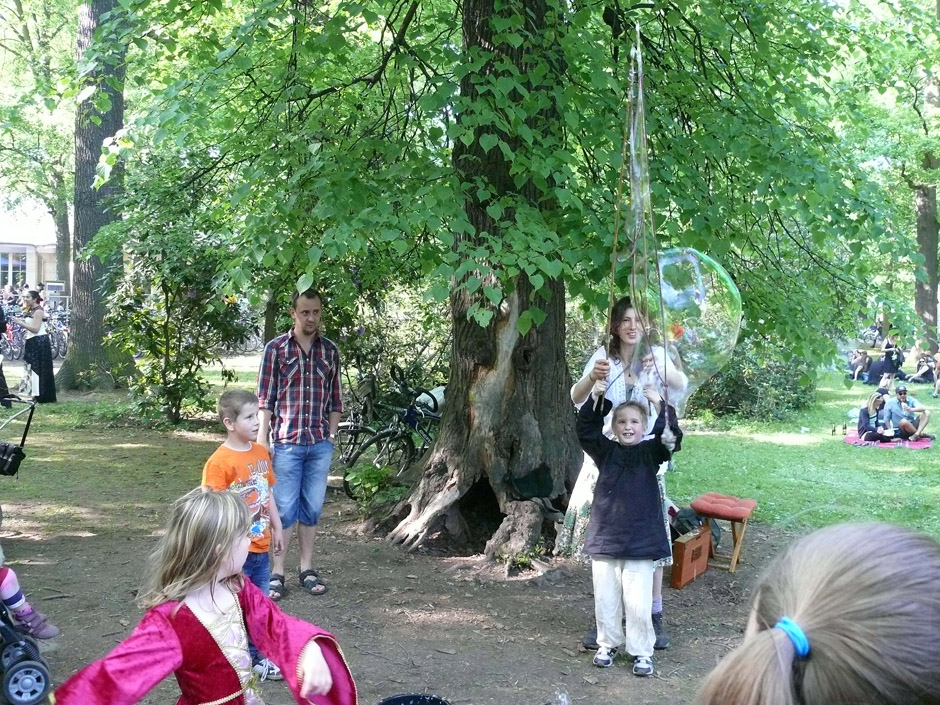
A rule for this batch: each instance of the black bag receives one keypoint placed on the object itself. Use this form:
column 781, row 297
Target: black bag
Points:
column 11, row 455
column 687, row 520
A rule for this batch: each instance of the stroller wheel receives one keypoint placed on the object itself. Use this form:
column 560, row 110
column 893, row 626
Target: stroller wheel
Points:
column 27, row 683
column 24, row 650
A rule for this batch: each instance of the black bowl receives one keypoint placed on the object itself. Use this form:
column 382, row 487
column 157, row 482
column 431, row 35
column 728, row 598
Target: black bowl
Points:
column 414, row 699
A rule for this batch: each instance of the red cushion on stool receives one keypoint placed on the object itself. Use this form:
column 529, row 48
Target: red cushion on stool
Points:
column 720, row 506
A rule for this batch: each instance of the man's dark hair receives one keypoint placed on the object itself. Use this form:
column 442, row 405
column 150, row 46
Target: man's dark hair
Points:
column 310, row 293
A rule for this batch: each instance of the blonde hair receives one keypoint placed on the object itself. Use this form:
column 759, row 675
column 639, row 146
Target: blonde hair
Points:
column 200, row 532
column 872, row 398
column 866, row 596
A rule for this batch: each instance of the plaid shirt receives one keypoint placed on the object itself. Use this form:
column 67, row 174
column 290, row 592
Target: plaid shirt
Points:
column 300, row 389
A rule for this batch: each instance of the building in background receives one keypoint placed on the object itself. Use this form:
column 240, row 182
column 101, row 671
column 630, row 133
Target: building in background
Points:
column 27, row 245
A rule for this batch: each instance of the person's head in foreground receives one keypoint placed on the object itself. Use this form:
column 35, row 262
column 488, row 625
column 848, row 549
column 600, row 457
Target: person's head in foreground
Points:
column 205, row 536
column 849, row 615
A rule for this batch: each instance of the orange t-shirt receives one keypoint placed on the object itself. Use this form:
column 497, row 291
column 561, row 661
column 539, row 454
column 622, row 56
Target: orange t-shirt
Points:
column 249, row 474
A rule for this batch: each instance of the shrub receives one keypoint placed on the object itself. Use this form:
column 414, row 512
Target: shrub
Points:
column 757, row 384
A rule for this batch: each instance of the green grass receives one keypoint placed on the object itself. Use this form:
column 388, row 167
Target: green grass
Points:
column 92, row 467
column 810, row 479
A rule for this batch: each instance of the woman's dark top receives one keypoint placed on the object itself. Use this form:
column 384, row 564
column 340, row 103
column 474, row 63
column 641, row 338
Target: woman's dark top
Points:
column 865, row 423
column 627, row 512
column 892, row 358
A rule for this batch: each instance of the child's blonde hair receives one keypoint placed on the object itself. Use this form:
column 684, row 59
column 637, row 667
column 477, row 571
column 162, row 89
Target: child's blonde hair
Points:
column 200, row 533
column 233, row 401
column 866, row 596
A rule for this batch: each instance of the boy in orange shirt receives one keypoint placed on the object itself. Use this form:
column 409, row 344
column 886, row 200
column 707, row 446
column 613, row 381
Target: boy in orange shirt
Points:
column 242, row 466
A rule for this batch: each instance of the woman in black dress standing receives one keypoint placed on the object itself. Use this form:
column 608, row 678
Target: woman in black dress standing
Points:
column 37, row 352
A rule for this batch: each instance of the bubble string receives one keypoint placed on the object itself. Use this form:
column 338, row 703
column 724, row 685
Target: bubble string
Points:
column 644, row 228
column 618, row 206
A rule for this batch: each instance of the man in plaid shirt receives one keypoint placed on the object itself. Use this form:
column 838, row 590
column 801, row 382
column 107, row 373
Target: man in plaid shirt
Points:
column 300, row 402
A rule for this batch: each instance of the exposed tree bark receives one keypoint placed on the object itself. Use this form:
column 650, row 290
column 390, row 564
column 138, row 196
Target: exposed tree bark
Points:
column 508, row 415
column 925, row 291
column 89, row 363
column 63, row 241
column 271, row 312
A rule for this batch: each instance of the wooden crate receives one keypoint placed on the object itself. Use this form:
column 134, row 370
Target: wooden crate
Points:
column 690, row 557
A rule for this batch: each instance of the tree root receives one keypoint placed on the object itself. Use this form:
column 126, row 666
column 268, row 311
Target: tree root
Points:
column 415, row 528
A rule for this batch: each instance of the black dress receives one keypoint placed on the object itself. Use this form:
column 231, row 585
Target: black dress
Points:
column 37, row 354
column 892, row 359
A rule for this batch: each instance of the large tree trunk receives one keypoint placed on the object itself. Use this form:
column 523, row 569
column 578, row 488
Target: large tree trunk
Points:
column 89, row 363
column 925, row 290
column 63, row 242
column 508, row 418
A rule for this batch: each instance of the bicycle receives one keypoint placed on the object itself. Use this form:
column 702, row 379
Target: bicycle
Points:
column 12, row 342
column 58, row 328
column 352, row 433
column 393, row 447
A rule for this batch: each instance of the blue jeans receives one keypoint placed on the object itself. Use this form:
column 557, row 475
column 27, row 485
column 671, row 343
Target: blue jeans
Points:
column 256, row 569
column 302, row 472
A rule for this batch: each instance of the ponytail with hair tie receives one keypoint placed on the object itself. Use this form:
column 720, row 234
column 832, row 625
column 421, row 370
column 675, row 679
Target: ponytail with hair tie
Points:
column 792, row 630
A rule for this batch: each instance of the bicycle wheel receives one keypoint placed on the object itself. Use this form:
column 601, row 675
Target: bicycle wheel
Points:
column 349, row 439
column 392, row 448
column 18, row 345
column 63, row 343
column 53, row 342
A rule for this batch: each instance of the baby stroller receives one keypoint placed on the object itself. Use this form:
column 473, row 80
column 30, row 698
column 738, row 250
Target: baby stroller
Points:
column 26, row 679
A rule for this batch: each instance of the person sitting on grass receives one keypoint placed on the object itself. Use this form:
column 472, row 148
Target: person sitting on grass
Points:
column 244, row 467
column 871, row 424
column 925, row 373
column 849, row 615
column 859, row 365
column 626, row 533
column 907, row 415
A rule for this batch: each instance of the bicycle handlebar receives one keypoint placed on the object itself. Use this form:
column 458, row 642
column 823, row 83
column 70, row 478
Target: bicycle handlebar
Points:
column 398, row 377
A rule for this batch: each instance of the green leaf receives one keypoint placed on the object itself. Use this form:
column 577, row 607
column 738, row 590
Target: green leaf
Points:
column 483, row 316
column 488, row 141
column 524, row 323
column 304, row 282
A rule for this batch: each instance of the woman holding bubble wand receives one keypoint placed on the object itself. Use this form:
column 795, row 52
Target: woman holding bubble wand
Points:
column 633, row 369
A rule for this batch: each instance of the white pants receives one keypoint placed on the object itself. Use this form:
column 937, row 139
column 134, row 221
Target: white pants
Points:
column 624, row 588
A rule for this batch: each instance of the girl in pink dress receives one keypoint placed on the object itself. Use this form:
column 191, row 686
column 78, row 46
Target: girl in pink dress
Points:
column 201, row 612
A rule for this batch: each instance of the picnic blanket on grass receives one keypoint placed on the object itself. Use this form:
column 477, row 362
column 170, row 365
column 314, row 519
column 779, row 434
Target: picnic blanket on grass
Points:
column 852, row 438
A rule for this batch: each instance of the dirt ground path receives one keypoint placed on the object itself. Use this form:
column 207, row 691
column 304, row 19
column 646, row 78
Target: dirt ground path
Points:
column 407, row 623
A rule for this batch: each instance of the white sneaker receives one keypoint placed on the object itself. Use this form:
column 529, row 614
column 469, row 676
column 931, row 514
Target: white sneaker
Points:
column 604, row 657
column 267, row 671
column 642, row 666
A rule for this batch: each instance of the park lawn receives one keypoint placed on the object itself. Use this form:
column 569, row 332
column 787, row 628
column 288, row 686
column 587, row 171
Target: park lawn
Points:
column 805, row 479
column 88, row 462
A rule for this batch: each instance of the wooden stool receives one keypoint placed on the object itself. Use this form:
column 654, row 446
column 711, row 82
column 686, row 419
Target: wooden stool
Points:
column 712, row 505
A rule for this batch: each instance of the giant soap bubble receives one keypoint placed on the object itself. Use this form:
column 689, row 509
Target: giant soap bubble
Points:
column 695, row 327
